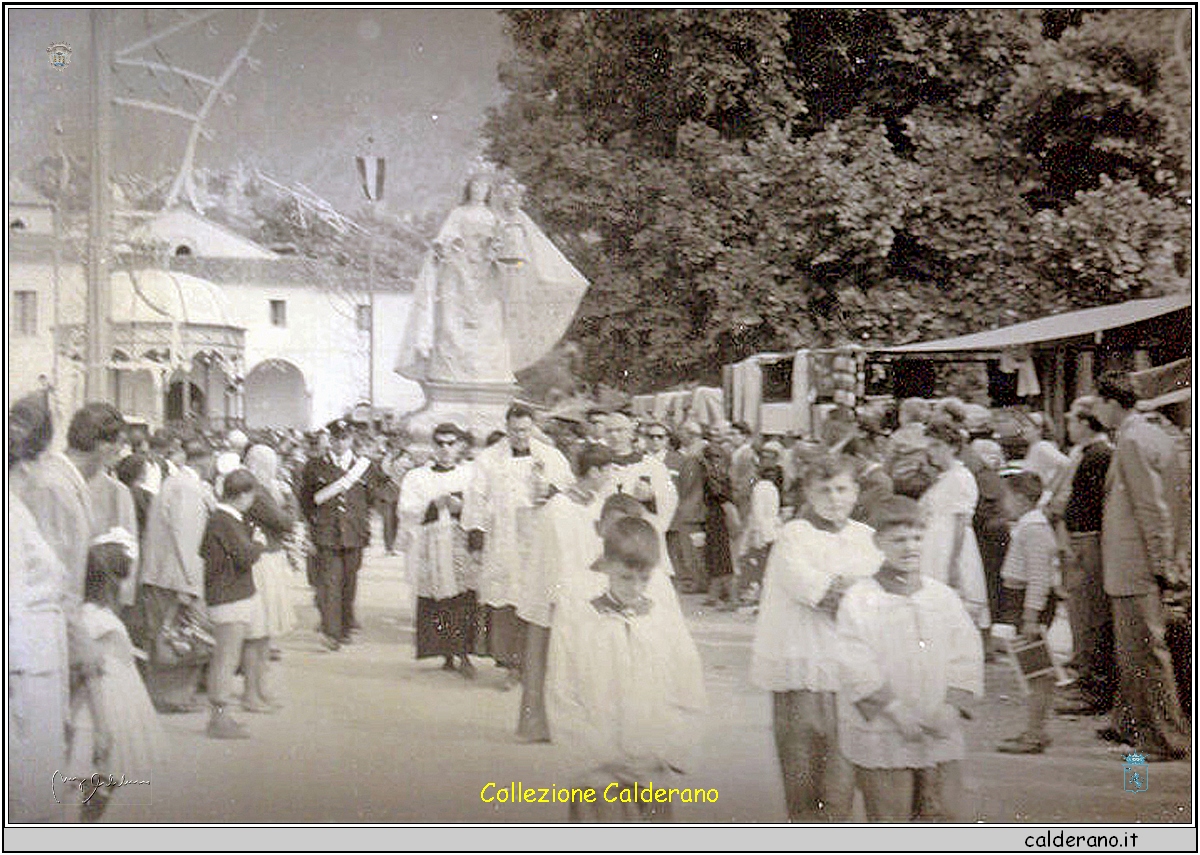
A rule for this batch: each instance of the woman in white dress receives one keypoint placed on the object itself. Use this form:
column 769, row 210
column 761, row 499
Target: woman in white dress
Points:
column 37, row 629
column 949, row 551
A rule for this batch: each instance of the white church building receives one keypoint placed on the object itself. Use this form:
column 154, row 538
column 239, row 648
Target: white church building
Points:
column 215, row 328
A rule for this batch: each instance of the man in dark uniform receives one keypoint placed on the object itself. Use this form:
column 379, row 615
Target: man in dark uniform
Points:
column 337, row 490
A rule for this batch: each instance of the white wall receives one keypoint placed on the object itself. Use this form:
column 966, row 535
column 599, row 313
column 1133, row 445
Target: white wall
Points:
column 319, row 338
column 30, row 268
column 30, row 356
column 322, row 340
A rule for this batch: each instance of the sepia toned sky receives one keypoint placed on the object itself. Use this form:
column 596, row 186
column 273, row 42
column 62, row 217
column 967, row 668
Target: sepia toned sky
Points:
column 415, row 81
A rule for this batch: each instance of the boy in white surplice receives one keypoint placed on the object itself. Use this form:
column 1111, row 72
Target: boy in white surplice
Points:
column 625, row 688
column 815, row 559
column 911, row 664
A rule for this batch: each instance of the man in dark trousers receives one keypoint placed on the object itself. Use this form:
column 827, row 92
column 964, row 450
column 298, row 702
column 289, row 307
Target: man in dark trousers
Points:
column 1145, row 547
column 687, row 469
column 1076, row 509
column 337, row 490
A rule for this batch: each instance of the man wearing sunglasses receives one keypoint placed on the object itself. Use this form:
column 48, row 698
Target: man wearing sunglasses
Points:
column 655, row 440
column 431, row 505
column 640, row 475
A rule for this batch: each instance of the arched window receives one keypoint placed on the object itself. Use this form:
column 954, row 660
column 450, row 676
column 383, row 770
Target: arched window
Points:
column 174, row 405
column 183, row 250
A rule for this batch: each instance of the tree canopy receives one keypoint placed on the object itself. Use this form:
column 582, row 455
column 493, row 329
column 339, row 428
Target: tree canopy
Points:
column 733, row 181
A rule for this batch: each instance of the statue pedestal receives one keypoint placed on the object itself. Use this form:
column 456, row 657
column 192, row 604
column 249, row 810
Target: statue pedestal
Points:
column 478, row 407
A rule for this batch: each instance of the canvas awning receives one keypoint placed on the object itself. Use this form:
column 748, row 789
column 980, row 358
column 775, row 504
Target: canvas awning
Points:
column 1163, row 384
column 1084, row 322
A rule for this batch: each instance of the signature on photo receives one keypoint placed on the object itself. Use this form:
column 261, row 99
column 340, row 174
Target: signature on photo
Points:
column 88, row 785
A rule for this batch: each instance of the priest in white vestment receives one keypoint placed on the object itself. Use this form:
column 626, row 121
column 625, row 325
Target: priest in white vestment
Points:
column 444, row 577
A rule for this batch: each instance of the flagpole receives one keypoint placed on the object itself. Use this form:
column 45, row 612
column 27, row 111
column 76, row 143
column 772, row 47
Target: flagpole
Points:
column 371, row 310
column 373, row 190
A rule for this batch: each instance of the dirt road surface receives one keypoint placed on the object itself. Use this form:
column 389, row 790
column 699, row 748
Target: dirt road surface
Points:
column 368, row 734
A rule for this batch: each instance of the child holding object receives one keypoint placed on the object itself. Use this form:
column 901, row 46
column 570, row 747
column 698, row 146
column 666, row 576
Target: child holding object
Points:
column 911, row 663
column 625, row 688
column 1027, row 600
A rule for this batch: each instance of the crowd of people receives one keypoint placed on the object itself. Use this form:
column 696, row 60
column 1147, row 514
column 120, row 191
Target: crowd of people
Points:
column 882, row 562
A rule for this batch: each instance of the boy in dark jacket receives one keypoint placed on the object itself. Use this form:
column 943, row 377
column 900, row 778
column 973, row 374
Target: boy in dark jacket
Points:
column 233, row 604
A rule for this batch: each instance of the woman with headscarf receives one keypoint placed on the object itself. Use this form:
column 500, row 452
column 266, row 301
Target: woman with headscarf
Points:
column 37, row 629
column 274, row 512
column 1046, row 461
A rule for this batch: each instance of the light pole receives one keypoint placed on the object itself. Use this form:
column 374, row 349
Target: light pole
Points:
column 56, row 257
column 100, row 216
column 371, row 310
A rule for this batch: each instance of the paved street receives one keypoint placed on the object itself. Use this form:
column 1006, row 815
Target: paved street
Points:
column 371, row 735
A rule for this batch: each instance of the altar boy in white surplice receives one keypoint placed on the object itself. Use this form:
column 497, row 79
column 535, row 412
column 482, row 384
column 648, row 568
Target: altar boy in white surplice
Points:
column 815, row 559
column 625, row 686
column 571, row 539
column 558, row 580
column 911, row 665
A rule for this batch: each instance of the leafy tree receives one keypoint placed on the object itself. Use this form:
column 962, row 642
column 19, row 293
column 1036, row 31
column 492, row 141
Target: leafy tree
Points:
column 1104, row 114
column 740, row 180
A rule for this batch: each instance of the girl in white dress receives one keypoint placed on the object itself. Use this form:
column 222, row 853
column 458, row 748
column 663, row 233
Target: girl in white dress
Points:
column 949, row 551
column 114, row 718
